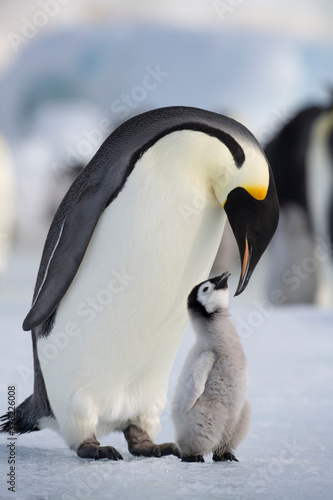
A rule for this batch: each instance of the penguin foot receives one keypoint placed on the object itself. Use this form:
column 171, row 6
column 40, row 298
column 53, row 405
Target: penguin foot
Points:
column 140, row 444
column 193, row 458
column 91, row 449
column 225, row 457
column 169, row 449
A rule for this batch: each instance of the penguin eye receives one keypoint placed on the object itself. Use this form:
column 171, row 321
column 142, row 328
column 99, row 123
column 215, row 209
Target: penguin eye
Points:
column 205, row 289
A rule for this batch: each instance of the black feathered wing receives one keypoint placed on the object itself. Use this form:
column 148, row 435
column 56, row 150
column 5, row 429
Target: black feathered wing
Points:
column 73, row 236
column 72, row 228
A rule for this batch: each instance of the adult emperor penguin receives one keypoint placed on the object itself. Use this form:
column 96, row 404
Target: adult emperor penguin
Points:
column 138, row 227
column 210, row 409
column 301, row 157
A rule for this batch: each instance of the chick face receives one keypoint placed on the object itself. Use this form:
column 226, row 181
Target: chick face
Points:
column 210, row 296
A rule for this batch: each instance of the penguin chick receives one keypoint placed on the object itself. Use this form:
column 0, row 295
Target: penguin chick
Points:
column 210, row 410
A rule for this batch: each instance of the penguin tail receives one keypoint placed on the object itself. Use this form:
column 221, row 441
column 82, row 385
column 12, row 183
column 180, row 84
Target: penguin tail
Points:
column 22, row 419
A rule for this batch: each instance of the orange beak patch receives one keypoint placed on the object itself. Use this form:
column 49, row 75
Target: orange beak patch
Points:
column 245, row 259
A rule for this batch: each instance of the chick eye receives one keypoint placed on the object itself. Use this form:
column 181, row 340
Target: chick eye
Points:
column 205, row 289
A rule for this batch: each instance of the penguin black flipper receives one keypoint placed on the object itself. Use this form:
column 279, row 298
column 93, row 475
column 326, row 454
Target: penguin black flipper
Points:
column 65, row 254
column 99, row 184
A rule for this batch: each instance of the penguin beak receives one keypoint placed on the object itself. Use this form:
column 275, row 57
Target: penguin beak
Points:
column 222, row 280
column 246, row 271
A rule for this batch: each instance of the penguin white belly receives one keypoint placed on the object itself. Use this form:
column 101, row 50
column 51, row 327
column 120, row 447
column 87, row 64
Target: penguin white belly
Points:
column 119, row 326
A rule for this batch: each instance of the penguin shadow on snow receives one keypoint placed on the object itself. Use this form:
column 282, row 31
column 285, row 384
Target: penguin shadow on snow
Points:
column 210, row 410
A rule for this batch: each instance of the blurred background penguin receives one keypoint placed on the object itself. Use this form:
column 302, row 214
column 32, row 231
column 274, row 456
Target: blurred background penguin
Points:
column 301, row 157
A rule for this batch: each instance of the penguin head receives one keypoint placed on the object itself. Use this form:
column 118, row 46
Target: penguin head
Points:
column 210, row 296
column 243, row 184
column 253, row 215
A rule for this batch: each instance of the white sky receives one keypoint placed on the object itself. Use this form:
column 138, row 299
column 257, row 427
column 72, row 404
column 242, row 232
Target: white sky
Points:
column 309, row 18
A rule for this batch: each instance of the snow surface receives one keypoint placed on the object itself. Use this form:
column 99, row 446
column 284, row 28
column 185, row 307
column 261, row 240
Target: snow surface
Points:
column 287, row 453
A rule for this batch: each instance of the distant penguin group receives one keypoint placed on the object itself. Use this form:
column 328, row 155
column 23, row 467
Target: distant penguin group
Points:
column 210, row 408
column 138, row 228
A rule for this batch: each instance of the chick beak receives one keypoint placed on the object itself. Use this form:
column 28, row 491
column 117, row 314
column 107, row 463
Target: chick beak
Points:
column 223, row 280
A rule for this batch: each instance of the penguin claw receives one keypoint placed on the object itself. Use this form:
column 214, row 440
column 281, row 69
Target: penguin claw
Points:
column 155, row 450
column 225, row 457
column 139, row 444
column 109, row 452
column 169, row 449
column 147, row 449
column 91, row 449
column 193, row 458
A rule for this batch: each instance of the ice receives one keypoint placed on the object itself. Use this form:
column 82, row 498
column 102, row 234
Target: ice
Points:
column 287, row 453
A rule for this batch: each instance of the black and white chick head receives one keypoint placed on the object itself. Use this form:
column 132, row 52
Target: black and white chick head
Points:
column 209, row 297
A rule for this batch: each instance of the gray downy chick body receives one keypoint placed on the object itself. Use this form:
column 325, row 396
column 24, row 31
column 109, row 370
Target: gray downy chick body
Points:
column 210, row 409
